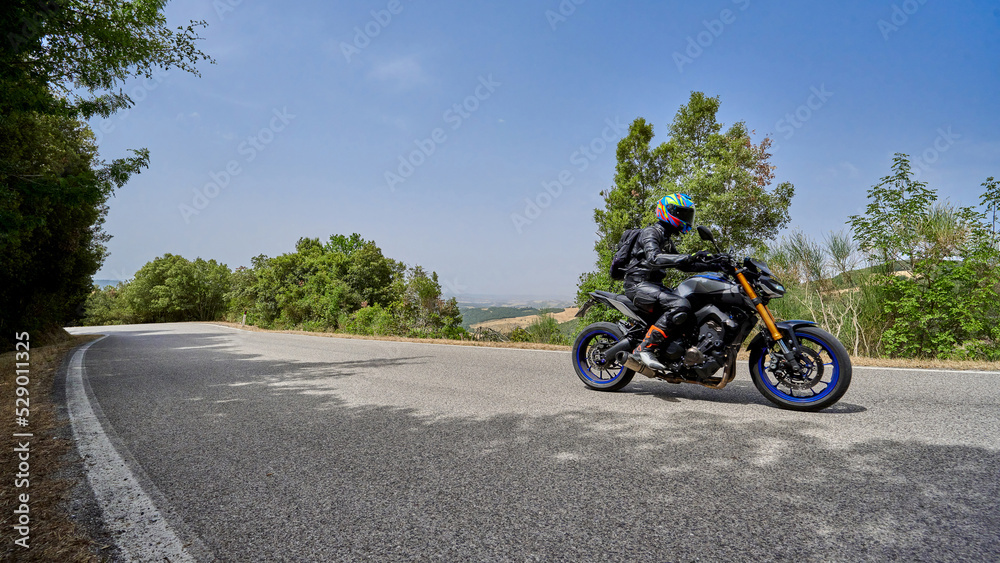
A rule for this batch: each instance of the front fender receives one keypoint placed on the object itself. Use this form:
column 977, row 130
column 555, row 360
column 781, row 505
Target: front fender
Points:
column 786, row 327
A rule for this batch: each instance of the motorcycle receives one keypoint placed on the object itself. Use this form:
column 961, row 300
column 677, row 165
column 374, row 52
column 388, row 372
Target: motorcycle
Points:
column 794, row 364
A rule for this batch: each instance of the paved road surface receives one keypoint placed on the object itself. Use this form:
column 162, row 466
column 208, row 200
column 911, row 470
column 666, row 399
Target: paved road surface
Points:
column 269, row 447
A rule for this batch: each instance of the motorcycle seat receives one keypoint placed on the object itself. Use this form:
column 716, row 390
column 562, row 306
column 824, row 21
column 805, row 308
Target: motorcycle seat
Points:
column 620, row 298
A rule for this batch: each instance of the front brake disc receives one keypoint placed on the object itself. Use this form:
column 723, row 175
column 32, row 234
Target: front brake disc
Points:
column 810, row 370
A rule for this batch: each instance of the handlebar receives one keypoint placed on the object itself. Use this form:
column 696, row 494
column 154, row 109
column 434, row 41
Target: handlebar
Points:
column 721, row 259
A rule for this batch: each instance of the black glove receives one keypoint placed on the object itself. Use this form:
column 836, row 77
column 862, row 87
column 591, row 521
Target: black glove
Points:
column 722, row 258
column 702, row 262
column 697, row 262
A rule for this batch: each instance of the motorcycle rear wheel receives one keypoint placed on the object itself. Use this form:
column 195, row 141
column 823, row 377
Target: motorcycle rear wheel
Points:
column 591, row 367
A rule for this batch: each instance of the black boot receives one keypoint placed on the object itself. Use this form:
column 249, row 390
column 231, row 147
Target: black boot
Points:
column 644, row 352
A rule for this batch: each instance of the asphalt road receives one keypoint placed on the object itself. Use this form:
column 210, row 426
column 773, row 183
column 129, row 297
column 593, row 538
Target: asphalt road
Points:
column 271, row 447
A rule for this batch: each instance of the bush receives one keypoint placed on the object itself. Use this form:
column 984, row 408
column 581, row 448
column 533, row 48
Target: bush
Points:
column 519, row 335
column 373, row 321
column 545, row 330
column 106, row 307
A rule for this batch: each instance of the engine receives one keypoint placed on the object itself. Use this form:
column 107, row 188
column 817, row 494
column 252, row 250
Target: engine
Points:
column 710, row 339
column 679, row 356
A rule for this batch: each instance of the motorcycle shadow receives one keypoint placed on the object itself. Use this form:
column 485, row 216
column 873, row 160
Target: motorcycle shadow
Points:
column 736, row 393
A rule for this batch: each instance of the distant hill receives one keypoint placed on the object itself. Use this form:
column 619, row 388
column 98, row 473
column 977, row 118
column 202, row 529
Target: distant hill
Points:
column 476, row 315
column 522, row 301
column 899, row 268
column 508, row 324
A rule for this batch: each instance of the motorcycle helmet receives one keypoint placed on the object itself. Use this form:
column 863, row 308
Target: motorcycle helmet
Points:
column 677, row 210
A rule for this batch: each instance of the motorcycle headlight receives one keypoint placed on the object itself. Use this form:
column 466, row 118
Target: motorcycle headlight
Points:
column 771, row 288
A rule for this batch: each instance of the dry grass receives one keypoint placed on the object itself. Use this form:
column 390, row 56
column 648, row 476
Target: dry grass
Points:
column 926, row 364
column 511, row 323
column 54, row 536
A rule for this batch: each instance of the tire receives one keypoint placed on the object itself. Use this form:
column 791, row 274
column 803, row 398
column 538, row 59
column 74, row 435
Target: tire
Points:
column 608, row 376
column 824, row 384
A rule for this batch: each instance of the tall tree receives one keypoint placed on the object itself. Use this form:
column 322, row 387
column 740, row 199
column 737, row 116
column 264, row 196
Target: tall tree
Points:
column 726, row 173
column 890, row 229
column 60, row 61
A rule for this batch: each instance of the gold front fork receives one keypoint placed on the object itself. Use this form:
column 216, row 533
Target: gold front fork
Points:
column 762, row 310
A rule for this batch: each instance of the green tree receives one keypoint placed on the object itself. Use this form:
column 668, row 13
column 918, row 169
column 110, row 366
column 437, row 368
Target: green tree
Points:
column 344, row 284
column 936, row 268
column 59, row 62
column 425, row 312
column 171, row 289
column 991, row 200
column 371, row 274
column 67, row 56
column 106, row 306
column 890, row 229
column 50, row 197
column 726, row 173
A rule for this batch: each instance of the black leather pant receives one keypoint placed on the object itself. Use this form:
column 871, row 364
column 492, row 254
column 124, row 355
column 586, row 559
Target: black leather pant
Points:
column 651, row 298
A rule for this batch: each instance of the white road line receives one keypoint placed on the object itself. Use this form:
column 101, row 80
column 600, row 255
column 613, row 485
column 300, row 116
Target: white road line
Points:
column 929, row 370
column 140, row 530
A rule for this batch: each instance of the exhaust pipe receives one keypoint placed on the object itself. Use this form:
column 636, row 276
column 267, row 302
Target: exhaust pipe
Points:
column 613, row 353
column 639, row 367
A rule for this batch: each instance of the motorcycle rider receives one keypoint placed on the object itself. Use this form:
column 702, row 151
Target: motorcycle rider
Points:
column 652, row 253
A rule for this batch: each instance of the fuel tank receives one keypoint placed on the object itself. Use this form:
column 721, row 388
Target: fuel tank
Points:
column 710, row 288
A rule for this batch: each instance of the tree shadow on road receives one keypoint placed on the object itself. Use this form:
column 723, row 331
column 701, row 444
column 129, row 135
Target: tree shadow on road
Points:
column 245, row 368
column 696, row 487
column 293, row 474
column 396, row 483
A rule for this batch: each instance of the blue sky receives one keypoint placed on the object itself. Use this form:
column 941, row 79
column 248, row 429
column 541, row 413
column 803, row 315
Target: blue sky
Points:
column 312, row 104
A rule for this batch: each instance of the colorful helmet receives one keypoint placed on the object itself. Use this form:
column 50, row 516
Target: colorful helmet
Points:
column 677, row 210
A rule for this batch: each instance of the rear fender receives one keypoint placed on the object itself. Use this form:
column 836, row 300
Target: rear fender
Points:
column 787, row 328
column 583, row 310
column 613, row 303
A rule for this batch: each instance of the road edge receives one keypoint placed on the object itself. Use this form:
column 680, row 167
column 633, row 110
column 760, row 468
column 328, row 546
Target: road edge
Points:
column 130, row 515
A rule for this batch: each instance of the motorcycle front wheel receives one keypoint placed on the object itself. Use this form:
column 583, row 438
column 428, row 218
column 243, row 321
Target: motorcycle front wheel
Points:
column 825, row 375
column 596, row 371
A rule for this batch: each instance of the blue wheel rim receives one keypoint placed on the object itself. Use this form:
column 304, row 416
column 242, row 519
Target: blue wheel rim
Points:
column 584, row 365
column 830, row 381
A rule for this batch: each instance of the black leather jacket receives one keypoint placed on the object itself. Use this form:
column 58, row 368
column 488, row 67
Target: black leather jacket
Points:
column 652, row 253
